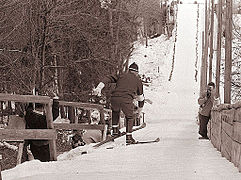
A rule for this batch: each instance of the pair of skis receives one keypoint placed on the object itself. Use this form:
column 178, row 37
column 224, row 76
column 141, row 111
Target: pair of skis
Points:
column 139, row 142
column 117, row 136
column 124, row 133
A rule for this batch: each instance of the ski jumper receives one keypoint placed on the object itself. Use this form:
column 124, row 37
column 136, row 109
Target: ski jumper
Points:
column 128, row 86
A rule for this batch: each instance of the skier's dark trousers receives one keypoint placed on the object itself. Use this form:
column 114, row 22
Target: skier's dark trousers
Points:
column 128, row 88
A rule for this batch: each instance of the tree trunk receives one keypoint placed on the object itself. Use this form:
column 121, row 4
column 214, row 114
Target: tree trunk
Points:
column 43, row 51
column 228, row 52
column 211, row 43
column 205, row 52
column 112, row 44
column 145, row 31
column 219, row 44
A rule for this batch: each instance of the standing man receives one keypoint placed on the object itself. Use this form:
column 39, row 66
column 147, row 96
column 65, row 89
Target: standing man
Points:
column 206, row 102
column 36, row 119
column 128, row 88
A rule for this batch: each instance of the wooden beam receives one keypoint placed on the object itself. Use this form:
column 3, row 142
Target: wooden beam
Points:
column 24, row 98
column 81, row 105
column 78, row 126
column 22, row 134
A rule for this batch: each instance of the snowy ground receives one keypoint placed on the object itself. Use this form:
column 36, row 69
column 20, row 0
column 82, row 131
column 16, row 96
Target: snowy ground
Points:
column 179, row 154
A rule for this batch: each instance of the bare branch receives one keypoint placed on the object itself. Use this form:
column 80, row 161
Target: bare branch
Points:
column 10, row 33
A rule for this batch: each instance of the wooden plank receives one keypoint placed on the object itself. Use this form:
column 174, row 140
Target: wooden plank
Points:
column 235, row 155
column 216, row 130
column 24, row 98
column 104, row 133
column 81, row 105
column 226, row 146
column 237, row 117
column 102, row 116
column 216, row 117
column 237, row 132
column 216, row 142
column 79, row 126
column 228, row 116
column 20, row 153
column 22, row 134
column 49, row 116
column 227, row 128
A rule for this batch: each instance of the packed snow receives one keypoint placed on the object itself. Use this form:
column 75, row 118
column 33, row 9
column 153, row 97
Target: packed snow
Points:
column 171, row 116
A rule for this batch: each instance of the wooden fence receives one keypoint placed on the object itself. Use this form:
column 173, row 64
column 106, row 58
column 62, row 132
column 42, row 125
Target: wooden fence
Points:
column 225, row 131
column 75, row 126
column 15, row 131
column 15, row 134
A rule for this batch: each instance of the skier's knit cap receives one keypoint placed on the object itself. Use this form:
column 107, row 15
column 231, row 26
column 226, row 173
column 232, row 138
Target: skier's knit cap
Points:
column 133, row 67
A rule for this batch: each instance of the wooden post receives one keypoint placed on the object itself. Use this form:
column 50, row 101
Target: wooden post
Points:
column 219, row 44
column 71, row 115
column 203, row 80
column 205, row 54
column 228, row 52
column 211, row 43
column 50, row 125
column 0, row 167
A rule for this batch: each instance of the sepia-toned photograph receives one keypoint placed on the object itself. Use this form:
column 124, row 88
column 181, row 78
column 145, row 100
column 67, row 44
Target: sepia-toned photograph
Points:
column 120, row 89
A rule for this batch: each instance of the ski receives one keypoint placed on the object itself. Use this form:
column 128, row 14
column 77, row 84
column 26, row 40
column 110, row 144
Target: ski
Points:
column 139, row 142
column 117, row 136
column 146, row 142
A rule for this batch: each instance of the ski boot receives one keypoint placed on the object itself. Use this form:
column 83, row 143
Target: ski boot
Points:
column 130, row 139
column 115, row 131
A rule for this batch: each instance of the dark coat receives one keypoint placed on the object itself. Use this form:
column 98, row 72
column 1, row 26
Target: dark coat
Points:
column 39, row 148
column 128, row 85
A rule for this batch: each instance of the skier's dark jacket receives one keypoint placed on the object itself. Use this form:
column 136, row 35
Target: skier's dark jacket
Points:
column 128, row 86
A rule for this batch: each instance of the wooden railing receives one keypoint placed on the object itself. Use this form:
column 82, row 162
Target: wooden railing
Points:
column 75, row 126
column 225, row 131
column 16, row 134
